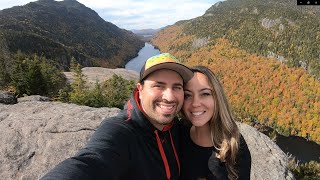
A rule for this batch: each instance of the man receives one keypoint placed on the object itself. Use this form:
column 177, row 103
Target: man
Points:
column 140, row 142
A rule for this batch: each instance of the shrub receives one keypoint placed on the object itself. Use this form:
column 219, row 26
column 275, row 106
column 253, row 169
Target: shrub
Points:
column 117, row 90
column 114, row 92
column 305, row 171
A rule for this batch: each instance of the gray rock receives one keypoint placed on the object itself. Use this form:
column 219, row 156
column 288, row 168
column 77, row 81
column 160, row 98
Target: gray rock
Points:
column 269, row 23
column 7, row 98
column 93, row 74
column 36, row 136
column 269, row 162
column 33, row 98
column 199, row 42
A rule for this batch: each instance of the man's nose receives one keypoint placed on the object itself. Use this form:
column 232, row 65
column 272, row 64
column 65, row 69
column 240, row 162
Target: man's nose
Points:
column 168, row 94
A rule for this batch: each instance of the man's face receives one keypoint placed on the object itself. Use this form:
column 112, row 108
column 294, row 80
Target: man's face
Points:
column 161, row 96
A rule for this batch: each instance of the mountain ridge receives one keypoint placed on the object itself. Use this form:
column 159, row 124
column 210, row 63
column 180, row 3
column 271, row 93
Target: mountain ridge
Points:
column 277, row 28
column 60, row 30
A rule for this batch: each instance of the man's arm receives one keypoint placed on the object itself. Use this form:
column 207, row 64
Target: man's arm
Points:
column 104, row 157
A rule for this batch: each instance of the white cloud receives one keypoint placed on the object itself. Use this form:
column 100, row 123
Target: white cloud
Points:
column 139, row 14
column 133, row 14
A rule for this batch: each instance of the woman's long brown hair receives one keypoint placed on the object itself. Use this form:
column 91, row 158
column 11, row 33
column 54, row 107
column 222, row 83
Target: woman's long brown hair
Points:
column 224, row 131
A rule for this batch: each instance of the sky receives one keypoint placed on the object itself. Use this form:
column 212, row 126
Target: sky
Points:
column 138, row 14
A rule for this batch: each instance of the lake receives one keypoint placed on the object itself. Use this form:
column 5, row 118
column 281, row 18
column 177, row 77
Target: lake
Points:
column 147, row 51
column 299, row 147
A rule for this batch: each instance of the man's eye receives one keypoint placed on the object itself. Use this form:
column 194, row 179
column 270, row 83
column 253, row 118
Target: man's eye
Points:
column 177, row 88
column 157, row 86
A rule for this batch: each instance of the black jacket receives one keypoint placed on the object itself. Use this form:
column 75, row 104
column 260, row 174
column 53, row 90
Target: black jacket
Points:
column 124, row 147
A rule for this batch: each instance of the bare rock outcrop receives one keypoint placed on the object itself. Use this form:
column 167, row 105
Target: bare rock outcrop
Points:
column 269, row 162
column 35, row 136
column 33, row 98
column 101, row 74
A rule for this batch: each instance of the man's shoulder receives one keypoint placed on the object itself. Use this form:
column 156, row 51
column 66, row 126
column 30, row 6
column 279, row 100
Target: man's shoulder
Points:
column 119, row 122
column 119, row 119
column 113, row 129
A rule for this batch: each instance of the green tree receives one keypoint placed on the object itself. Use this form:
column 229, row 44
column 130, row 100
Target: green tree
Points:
column 53, row 77
column 64, row 94
column 18, row 75
column 4, row 73
column 96, row 97
column 36, row 76
column 35, row 83
column 5, row 64
column 78, row 86
column 118, row 90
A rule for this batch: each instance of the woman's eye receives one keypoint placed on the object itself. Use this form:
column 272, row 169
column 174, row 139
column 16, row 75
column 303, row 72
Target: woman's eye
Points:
column 206, row 94
column 187, row 96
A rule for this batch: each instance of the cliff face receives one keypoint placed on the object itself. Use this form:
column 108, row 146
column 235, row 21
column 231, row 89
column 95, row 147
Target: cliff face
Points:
column 37, row 135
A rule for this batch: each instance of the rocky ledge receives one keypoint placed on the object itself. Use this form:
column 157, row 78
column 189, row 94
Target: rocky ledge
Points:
column 37, row 135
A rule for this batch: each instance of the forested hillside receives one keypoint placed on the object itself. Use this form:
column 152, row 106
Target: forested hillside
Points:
column 266, row 53
column 273, row 28
column 60, row 30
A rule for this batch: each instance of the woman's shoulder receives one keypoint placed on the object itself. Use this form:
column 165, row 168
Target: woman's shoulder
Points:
column 243, row 143
column 243, row 160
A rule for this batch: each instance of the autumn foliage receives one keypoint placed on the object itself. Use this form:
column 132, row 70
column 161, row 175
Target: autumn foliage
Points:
column 261, row 88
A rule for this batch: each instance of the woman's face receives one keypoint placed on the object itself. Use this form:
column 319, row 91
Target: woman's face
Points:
column 198, row 102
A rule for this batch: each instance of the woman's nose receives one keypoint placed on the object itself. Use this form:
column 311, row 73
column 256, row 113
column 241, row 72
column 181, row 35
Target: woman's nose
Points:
column 196, row 101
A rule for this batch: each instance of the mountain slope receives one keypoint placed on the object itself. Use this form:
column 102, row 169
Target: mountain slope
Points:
column 62, row 29
column 280, row 29
column 235, row 46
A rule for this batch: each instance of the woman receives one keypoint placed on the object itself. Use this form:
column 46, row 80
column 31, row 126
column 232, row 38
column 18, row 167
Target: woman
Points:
column 212, row 147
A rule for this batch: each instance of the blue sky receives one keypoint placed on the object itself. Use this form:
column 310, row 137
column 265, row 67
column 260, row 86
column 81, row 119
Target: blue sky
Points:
column 138, row 14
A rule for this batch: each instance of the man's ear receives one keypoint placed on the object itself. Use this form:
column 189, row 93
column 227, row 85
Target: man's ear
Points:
column 139, row 87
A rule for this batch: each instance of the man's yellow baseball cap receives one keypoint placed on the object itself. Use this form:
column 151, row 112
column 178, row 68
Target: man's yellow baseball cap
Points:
column 165, row 61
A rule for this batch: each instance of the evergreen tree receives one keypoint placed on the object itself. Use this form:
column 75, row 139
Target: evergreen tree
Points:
column 18, row 75
column 35, row 83
column 96, row 97
column 118, row 90
column 4, row 74
column 36, row 76
column 78, row 93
